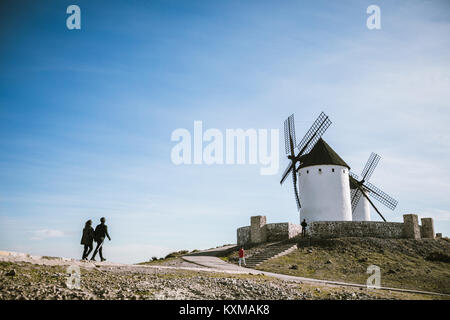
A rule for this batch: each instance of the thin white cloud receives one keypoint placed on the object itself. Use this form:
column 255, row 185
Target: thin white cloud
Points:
column 437, row 214
column 47, row 233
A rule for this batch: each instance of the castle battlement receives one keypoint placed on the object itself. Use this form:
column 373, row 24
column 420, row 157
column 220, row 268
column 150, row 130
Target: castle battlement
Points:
column 259, row 231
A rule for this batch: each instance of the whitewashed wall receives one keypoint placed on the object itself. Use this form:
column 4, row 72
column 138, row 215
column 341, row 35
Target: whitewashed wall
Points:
column 324, row 194
column 362, row 210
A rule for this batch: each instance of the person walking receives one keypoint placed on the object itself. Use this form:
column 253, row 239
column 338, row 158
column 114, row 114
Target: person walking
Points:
column 242, row 256
column 87, row 239
column 304, row 225
column 101, row 231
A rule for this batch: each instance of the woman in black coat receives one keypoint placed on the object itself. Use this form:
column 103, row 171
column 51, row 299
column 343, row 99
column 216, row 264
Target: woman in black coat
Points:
column 87, row 239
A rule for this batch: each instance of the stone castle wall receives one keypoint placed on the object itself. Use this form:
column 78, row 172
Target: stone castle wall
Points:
column 427, row 228
column 243, row 235
column 282, row 231
column 259, row 231
column 411, row 226
column 338, row 229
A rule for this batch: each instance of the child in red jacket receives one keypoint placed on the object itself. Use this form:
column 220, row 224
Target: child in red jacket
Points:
column 242, row 256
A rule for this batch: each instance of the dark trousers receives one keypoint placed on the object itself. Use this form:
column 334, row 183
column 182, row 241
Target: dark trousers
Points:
column 87, row 249
column 99, row 249
column 303, row 232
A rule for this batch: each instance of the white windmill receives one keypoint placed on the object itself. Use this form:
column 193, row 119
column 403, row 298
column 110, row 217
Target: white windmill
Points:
column 328, row 190
column 362, row 187
column 323, row 177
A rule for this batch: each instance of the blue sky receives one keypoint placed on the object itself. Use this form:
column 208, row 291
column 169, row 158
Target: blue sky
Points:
column 86, row 115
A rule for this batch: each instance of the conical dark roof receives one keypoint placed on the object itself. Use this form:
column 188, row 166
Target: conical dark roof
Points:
column 322, row 153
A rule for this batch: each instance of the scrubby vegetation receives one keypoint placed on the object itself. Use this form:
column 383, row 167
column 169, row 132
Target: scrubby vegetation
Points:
column 404, row 263
column 169, row 258
column 176, row 254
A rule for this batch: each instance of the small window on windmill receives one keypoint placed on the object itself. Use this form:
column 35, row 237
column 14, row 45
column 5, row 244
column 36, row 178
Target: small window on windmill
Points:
column 332, row 170
column 320, row 170
column 343, row 171
column 307, row 171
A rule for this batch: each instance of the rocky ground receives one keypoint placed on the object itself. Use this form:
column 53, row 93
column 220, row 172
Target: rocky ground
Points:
column 25, row 280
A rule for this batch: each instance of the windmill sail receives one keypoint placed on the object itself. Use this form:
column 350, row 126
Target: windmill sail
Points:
column 309, row 140
column 362, row 187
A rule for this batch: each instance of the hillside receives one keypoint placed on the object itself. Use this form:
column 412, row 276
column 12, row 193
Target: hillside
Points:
column 26, row 281
column 418, row 265
column 404, row 263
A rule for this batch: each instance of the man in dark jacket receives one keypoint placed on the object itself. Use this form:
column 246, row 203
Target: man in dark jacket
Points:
column 304, row 225
column 87, row 239
column 101, row 231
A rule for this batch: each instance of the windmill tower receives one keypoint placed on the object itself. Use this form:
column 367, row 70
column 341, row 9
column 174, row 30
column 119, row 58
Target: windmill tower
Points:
column 323, row 177
column 325, row 186
column 361, row 189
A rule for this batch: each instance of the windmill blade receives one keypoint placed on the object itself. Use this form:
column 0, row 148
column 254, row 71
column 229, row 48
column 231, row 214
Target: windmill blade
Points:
column 286, row 172
column 355, row 197
column 370, row 166
column 352, row 193
column 381, row 196
column 289, row 133
column 354, row 177
column 355, row 194
column 314, row 133
column 297, row 198
column 293, row 160
column 371, row 203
